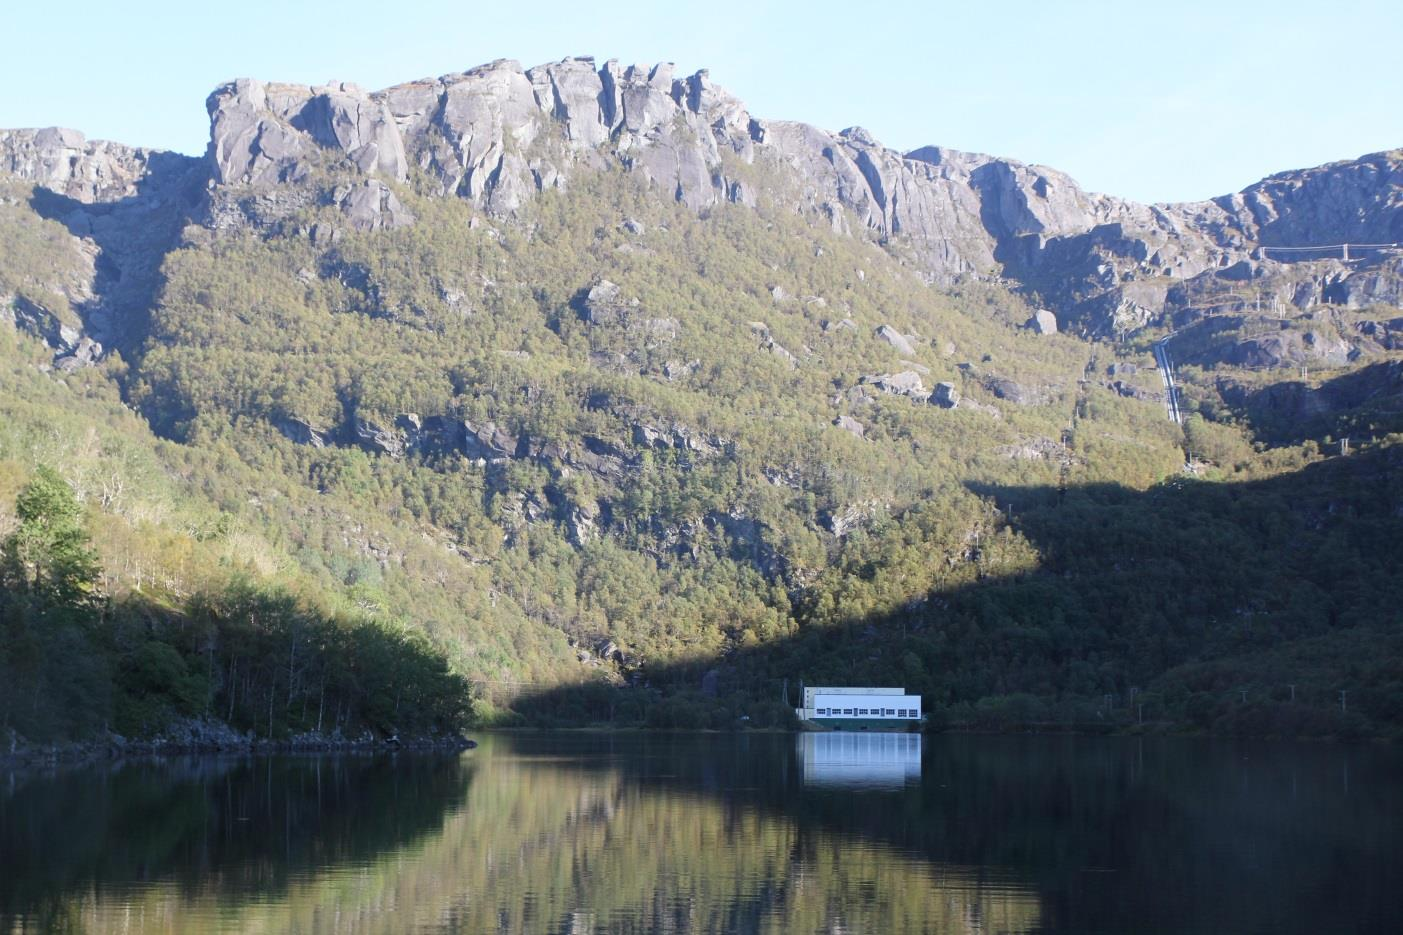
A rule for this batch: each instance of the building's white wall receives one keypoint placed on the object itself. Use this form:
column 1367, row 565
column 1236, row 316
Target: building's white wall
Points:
column 870, row 703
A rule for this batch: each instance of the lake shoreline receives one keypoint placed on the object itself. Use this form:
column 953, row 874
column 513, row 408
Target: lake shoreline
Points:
column 212, row 740
column 1157, row 729
column 219, row 740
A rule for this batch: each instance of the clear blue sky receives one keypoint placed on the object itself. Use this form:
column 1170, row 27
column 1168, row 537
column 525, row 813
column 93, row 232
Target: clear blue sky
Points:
column 1154, row 101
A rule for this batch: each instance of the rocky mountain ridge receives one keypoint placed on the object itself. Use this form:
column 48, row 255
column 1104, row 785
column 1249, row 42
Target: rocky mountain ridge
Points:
column 498, row 134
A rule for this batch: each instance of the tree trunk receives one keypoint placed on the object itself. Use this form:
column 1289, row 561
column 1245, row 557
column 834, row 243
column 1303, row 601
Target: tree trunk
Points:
column 233, row 686
column 291, row 658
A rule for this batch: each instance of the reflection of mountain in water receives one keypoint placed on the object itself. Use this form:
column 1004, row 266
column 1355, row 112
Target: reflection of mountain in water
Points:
column 868, row 761
column 560, row 843
column 705, row 833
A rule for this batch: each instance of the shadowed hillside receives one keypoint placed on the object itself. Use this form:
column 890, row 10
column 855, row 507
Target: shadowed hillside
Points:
column 1160, row 605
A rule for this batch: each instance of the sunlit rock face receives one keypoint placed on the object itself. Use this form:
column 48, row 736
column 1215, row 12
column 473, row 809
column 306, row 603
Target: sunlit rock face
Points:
column 499, row 134
column 68, row 163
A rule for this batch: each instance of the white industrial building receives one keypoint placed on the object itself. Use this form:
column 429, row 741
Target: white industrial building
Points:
column 848, row 704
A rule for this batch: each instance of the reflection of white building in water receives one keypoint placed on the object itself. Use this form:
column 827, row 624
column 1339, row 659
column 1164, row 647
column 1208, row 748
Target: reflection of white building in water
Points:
column 883, row 761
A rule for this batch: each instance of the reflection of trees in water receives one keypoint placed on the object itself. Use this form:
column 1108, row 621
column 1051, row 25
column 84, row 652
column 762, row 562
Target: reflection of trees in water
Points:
column 196, row 829
column 540, row 844
column 1120, row 834
column 688, row 833
column 599, row 850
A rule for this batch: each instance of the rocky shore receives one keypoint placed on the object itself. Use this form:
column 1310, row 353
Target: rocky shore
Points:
column 197, row 736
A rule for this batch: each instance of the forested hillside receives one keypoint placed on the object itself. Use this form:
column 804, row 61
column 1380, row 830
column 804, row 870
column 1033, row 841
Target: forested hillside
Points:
column 612, row 457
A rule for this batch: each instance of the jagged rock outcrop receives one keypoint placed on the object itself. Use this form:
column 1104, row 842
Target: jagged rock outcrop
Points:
column 1358, row 201
column 85, row 354
column 123, row 208
column 611, row 317
column 302, row 432
column 487, row 441
column 499, row 133
column 372, row 205
column 68, row 163
column 38, row 321
column 495, row 134
column 840, row 522
column 269, row 133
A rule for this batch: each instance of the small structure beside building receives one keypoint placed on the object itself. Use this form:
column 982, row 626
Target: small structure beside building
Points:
column 857, row 708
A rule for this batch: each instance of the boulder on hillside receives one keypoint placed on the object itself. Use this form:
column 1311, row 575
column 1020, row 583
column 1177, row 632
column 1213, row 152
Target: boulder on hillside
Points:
column 1014, row 392
column 603, row 304
column 1042, row 322
column 906, row 383
column 896, row 339
column 849, row 424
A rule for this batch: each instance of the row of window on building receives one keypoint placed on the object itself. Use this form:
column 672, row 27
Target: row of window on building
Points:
column 866, row 712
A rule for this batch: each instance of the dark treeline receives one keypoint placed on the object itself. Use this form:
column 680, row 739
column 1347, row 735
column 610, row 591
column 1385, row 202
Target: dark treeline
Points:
column 74, row 664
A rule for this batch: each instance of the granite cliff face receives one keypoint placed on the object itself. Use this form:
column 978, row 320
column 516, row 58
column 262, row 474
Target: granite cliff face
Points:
column 494, row 135
column 498, row 134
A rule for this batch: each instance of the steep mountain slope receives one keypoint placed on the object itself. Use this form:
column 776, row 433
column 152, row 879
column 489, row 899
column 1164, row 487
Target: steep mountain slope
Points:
column 592, row 376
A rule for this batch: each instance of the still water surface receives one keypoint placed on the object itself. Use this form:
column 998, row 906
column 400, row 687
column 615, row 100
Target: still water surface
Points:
column 754, row 833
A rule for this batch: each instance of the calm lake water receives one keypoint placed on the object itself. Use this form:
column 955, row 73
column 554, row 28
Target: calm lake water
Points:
column 680, row 833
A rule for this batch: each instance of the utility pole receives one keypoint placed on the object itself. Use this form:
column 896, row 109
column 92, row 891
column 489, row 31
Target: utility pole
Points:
column 1244, row 695
column 1344, row 695
column 1293, row 694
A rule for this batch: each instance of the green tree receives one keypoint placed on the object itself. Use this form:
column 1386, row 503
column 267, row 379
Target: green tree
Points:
column 49, row 555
